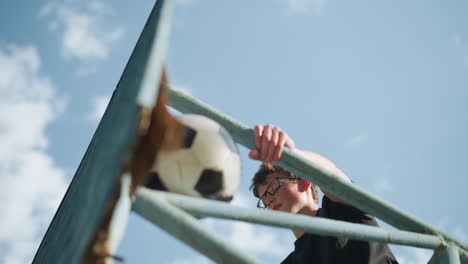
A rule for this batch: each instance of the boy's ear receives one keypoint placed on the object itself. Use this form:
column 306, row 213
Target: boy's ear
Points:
column 305, row 185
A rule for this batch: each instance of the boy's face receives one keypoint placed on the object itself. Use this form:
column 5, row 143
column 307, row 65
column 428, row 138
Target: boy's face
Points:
column 287, row 198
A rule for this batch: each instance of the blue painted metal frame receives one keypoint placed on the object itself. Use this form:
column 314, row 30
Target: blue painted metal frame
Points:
column 98, row 174
column 202, row 207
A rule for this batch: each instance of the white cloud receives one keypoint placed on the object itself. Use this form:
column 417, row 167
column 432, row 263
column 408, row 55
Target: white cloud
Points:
column 32, row 186
column 239, row 234
column 184, row 3
column 241, row 200
column 99, row 107
column 461, row 45
column 412, row 255
column 304, row 6
column 456, row 230
column 459, row 232
column 200, row 259
column 458, row 40
column 254, row 240
column 85, row 35
column 266, row 241
column 382, row 184
column 357, row 140
column 88, row 70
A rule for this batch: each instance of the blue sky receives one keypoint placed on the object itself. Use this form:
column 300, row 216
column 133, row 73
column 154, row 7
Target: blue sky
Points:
column 380, row 88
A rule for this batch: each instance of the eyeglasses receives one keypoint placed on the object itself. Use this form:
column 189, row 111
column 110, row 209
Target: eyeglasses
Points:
column 272, row 189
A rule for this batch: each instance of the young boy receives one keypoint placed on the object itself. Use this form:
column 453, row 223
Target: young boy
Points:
column 279, row 189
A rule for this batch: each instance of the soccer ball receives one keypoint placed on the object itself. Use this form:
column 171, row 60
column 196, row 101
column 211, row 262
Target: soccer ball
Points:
column 207, row 165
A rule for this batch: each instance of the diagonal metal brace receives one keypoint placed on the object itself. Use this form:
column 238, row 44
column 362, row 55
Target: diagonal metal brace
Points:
column 188, row 229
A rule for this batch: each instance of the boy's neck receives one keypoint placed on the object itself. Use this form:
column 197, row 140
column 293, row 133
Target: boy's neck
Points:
column 309, row 211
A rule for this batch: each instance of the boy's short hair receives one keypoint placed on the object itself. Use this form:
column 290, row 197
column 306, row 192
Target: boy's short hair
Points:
column 268, row 168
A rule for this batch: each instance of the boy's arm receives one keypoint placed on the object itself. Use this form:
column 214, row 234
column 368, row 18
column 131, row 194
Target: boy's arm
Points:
column 326, row 165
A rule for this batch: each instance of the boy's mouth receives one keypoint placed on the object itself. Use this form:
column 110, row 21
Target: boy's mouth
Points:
column 276, row 207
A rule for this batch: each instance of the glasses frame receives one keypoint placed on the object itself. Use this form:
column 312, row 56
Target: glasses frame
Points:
column 260, row 203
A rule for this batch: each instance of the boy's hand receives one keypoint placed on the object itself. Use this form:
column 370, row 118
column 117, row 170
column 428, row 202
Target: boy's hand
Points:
column 270, row 141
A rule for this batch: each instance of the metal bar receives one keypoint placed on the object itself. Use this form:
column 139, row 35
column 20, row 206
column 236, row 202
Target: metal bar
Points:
column 316, row 225
column 346, row 191
column 156, row 55
column 453, row 256
column 188, row 229
column 82, row 208
column 445, row 255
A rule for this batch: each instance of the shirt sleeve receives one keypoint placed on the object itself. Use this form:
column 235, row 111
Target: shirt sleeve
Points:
column 344, row 212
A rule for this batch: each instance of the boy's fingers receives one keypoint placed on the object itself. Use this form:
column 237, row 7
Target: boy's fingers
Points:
column 289, row 142
column 273, row 144
column 265, row 142
column 279, row 146
column 258, row 131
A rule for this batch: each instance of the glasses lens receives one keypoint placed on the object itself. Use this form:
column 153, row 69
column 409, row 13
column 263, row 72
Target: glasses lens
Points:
column 271, row 190
column 260, row 204
column 274, row 186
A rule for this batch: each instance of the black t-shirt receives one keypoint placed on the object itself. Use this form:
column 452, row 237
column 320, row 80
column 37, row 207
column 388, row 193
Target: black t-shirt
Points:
column 310, row 248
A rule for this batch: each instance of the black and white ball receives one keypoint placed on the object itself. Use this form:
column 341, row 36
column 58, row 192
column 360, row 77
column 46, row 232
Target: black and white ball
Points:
column 208, row 164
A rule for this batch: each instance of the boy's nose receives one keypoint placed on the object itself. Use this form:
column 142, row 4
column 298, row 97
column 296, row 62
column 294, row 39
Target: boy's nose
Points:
column 269, row 200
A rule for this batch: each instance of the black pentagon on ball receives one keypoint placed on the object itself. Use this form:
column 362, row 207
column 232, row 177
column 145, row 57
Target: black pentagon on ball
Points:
column 188, row 137
column 210, row 182
column 154, row 182
column 228, row 139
